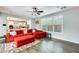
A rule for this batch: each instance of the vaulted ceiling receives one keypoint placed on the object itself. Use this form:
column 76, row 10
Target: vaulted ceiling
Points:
column 21, row 11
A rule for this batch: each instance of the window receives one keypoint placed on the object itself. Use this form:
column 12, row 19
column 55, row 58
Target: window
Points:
column 58, row 23
column 52, row 23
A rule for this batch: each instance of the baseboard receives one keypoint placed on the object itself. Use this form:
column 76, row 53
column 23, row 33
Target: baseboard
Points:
column 66, row 40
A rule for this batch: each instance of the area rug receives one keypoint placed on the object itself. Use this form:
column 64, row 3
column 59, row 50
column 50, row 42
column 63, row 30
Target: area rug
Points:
column 28, row 48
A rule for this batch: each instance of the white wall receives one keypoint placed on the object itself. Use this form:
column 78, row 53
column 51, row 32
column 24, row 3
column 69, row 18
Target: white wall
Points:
column 70, row 25
column 2, row 21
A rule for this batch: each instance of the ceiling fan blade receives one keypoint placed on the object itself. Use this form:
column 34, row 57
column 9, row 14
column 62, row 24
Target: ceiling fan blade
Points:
column 38, row 13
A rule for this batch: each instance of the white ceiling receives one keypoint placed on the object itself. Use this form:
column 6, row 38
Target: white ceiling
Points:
column 21, row 11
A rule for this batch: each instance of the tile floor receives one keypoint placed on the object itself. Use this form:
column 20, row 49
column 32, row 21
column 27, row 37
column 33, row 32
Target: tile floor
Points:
column 54, row 46
column 49, row 46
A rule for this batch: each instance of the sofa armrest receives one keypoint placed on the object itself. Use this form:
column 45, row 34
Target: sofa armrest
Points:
column 9, row 37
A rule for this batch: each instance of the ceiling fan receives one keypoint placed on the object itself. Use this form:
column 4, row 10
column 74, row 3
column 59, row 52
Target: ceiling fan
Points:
column 35, row 11
column 61, row 7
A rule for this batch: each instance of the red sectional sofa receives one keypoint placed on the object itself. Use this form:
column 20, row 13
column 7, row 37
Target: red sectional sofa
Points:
column 19, row 33
column 9, row 38
column 40, row 34
column 21, row 39
column 29, row 31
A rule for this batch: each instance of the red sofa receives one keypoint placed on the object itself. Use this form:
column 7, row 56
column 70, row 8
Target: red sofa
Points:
column 19, row 33
column 9, row 37
column 40, row 34
column 21, row 39
column 29, row 31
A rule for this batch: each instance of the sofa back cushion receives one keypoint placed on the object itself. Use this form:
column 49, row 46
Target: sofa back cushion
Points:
column 38, row 31
column 29, row 31
column 19, row 32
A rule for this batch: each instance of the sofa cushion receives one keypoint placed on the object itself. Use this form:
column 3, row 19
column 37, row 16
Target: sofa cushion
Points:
column 22, row 40
column 38, row 30
column 24, row 37
column 19, row 32
column 29, row 31
column 40, row 34
column 18, row 35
